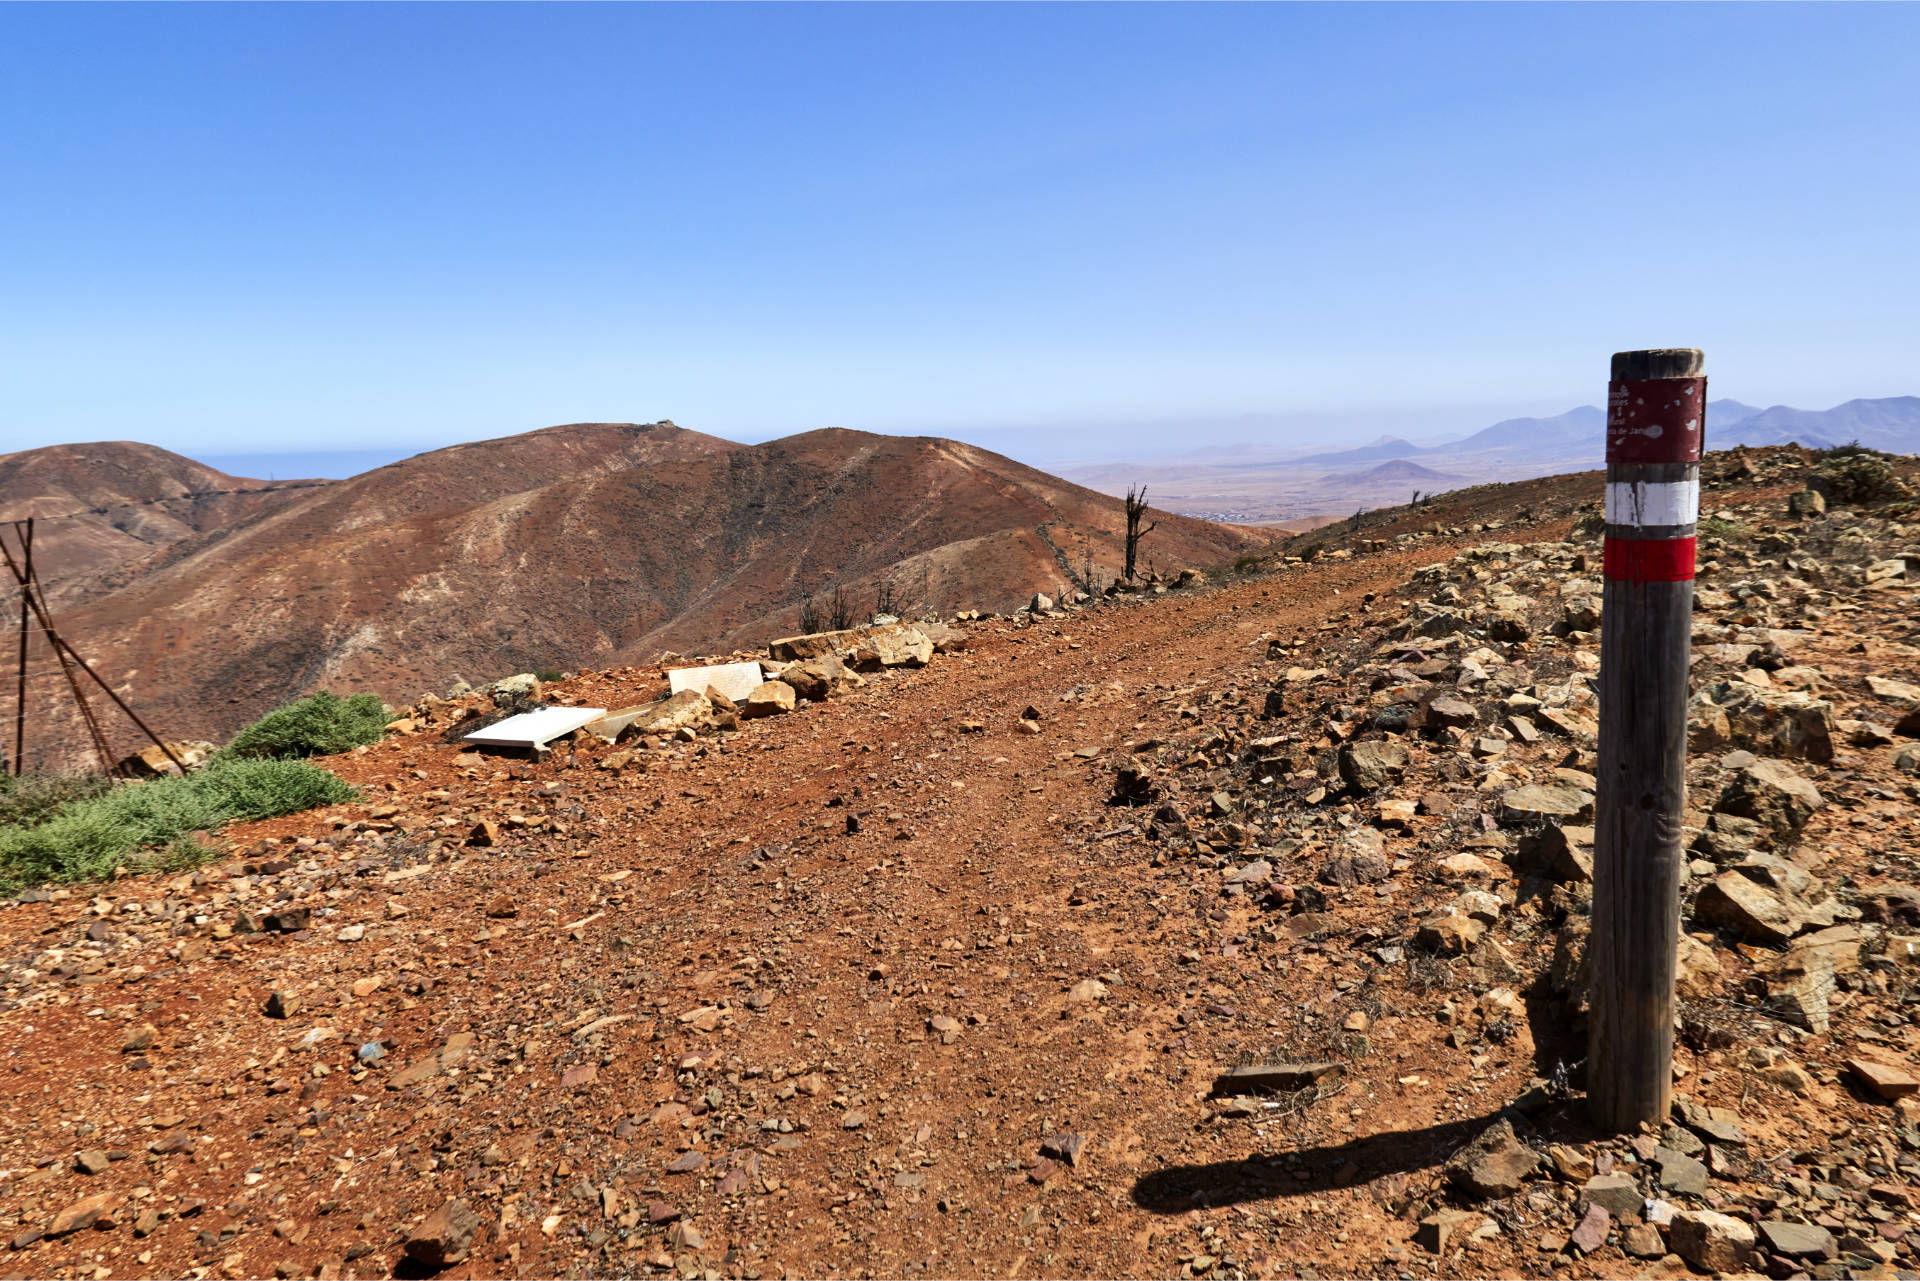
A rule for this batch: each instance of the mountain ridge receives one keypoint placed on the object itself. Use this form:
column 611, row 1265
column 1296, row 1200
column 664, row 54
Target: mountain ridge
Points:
column 585, row 543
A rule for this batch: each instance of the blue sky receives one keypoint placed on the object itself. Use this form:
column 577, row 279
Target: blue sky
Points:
column 1070, row 232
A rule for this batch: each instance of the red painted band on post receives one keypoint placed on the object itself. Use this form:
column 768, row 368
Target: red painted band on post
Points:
column 1660, row 420
column 1649, row 560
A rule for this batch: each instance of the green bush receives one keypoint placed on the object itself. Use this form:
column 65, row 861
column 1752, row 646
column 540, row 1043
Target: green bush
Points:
column 1854, row 475
column 88, row 838
column 548, row 675
column 27, row 799
column 319, row 725
column 1717, row 527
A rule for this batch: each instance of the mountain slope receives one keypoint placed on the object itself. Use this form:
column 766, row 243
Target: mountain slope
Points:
column 103, row 505
column 451, row 565
column 1892, row 424
column 1385, row 447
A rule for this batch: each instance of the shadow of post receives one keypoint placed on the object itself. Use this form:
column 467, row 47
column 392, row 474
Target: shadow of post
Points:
column 1303, row 1171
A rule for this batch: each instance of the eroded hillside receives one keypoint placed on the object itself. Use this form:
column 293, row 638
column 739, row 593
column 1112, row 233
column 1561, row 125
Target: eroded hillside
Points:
column 590, row 545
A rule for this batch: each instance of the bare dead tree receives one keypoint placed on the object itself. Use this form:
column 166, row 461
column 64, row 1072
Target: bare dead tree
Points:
column 886, row 599
column 1136, row 512
column 839, row 610
column 809, row 616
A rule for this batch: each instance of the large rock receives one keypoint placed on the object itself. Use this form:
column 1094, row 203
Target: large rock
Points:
column 1557, row 853
column 946, row 640
column 733, row 681
column 1798, row 995
column 1697, row 969
column 1890, row 1081
column 1370, row 766
column 821, row 678
column 897, row 645
column 151, row 761
column 1495, row 1164
column 1798, row 1240
column 1617, row 1193
column 769, row 698
column 1448, row 712
column 1752, row 911
column 444, row 1237
column 1788, row 723
column 1711, row 1241
column 82, row 1214
column 687, row 709
column 1727, row 838
column 1773, row 795
column 798, row 649
column 1449, row 931
column 1546, row 803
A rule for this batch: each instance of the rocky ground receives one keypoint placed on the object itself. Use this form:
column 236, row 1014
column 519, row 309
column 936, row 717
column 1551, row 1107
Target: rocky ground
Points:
column 1236, row 930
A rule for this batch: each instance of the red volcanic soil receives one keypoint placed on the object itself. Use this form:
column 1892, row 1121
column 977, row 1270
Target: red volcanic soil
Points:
column 893, row 986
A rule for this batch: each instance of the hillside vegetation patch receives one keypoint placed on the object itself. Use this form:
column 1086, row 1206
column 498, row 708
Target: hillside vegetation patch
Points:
column 1851, row 474
column 150, row 823
column 30, row 799
column 321, row 724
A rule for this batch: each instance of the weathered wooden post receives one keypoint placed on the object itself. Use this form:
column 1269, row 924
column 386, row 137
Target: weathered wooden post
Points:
column 1656, row 421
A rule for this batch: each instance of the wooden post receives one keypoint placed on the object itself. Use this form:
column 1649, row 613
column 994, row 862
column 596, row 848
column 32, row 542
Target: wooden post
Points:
column 1656, row 420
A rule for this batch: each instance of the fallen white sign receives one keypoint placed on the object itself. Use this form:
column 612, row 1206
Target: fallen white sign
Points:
column 735, row 680
column 536, row 729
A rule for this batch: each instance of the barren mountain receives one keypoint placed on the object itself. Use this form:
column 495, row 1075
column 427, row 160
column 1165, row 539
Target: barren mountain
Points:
column 104, row 505
column 1263, row 484
column 590, row 544
column 1398, row 470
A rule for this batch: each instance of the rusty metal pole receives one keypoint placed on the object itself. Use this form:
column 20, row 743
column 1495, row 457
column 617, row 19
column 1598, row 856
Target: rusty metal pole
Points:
column 25, row 533
column 1656, row 423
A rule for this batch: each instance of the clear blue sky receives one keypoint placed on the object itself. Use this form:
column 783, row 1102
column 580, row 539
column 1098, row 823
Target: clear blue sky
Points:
column 245, row 229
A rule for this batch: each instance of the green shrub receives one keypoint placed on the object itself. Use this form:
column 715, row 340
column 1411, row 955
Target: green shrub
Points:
column 89, row 837
column 319, row 725
column 548, row 675
column 33, row 798
column 1854, row 475
column 1717, row 527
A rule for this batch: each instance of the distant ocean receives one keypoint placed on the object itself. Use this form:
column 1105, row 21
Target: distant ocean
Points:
column 336, row 464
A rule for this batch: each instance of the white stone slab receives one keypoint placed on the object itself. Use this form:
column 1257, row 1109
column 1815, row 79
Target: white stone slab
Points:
column 536, row 729
column 735, row 680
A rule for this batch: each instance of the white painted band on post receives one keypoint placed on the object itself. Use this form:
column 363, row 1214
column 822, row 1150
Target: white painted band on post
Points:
column 1653, row 503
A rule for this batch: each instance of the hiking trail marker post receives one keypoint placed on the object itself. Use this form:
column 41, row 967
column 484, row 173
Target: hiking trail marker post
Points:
column 1656, row 426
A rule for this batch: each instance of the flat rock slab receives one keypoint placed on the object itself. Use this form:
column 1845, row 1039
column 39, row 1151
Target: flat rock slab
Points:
column 1884, row 1079
column 536, row 729
column 1284, row 1077
column 1546, row 802
column 735, row 680
column 1798, row 1240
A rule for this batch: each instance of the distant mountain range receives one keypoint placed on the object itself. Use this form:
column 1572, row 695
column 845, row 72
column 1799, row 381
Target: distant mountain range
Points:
column 1257, row 483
